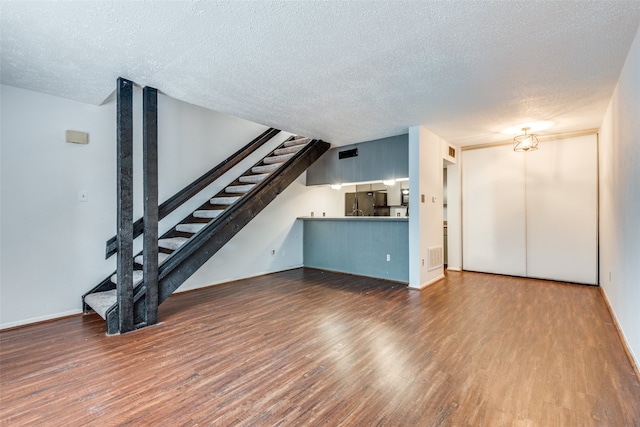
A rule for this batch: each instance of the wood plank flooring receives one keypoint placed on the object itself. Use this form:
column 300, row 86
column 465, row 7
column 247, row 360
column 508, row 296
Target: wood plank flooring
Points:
column 306, row 347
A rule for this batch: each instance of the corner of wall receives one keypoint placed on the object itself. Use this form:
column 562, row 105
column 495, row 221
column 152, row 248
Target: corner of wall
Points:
column 425, row 205
column 619, row 203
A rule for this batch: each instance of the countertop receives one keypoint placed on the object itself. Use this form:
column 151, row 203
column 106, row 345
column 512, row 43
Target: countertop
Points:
column 355, row 218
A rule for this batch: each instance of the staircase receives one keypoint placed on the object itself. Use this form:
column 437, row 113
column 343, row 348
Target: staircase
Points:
column 186, row 247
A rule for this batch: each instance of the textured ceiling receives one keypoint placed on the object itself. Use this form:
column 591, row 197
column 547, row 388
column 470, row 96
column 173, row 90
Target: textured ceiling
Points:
column 341, row 71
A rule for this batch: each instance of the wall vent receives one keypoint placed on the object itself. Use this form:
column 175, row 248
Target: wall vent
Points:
column 435, row 257
column 452, row 152
column 348, row 153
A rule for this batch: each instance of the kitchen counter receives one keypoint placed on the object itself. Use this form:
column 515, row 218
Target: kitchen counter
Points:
column 373, row 246
column 354, row 218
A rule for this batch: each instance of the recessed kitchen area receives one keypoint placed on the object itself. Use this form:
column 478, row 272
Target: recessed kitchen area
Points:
column 373, row 175
column 390, row 198
column 372, row 237
column 380, row 202
column 388, row 212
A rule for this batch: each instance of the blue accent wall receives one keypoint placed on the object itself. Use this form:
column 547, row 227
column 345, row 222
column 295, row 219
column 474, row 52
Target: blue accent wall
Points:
column 358, row 245
column 386, row 158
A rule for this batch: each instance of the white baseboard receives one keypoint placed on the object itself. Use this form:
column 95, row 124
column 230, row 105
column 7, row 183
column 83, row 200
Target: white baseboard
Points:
column 356, row 274
column 23, row 322
column 454, row 269
column 39, row 319
column 430, row 282
column 632, row 357
column 231, row 280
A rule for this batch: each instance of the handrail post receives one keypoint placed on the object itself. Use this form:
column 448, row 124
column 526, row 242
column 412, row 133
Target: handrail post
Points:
column 124, row 119
column 150, row 217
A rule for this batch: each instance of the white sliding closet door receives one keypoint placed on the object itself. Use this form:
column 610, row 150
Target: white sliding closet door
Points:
column 493, row 224
column 561, row 199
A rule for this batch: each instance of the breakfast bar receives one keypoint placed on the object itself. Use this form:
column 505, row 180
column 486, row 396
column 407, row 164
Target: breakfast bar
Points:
column 373, row 246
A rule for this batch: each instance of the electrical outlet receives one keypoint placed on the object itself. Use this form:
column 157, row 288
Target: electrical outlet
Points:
column 83, row 196
column 388, row 257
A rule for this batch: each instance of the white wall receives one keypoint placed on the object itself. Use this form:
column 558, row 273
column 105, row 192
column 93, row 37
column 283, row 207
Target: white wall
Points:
column 276, row 228
column 52, row 247
column 425, row 218
column 620, row 201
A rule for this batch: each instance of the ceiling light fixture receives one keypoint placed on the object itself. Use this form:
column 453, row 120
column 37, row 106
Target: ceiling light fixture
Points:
column 336, row 186
column 389, row 182
column 526, row 142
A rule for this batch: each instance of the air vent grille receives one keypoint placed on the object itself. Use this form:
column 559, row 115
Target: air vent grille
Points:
column 348, row 153
column 435, row 257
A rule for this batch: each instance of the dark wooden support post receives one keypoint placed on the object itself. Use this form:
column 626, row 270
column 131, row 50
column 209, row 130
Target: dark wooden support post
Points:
column 124, row 118
column 150, row 218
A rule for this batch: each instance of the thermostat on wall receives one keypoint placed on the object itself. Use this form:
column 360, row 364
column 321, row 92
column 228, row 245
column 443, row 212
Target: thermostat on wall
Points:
column 77, row 137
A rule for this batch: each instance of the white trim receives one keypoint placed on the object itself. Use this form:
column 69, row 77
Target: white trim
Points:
column 225, row 282
column 386, row 279
column 552, row 137
column 623, row 338
column 429, row 283
column 39, row 319
column 56, row 316
column 454, row 269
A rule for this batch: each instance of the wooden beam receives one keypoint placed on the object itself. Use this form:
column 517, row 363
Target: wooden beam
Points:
column 124, row 119
column 150, row 218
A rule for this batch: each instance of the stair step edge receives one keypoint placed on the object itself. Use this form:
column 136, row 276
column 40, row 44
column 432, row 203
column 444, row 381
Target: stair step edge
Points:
column 162, row 257
column 100, row 302
column 207, row 213
column 223, row 200
column 172, row 242
column 299, row 141
column 137, row 277
column 191, row 228
column 265, row 168
column 277, row 159
column 288, row 150
column 253, row 178
column 239, row 189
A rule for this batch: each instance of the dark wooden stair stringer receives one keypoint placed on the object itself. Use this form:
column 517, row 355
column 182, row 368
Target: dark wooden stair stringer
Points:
column 181, row 197
column 198, row 185
column 185, row 260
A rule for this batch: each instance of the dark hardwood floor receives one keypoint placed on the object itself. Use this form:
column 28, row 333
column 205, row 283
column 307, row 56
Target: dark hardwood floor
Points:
column 306, row 347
